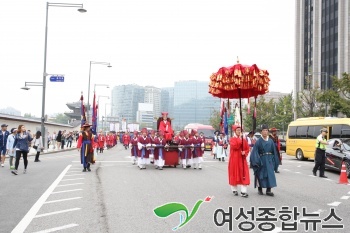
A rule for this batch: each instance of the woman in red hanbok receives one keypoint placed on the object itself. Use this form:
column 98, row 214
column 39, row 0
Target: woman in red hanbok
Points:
column 238, row 171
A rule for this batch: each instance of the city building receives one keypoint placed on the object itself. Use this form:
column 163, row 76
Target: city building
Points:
column 125, row 100
column 322, row 48
column 192, row 103
column 153, row 96
column 145, row 115
column 10, row 111
column 167, row 100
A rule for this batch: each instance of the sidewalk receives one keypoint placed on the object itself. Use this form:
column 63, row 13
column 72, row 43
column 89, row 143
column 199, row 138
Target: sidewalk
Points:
column 32, row 152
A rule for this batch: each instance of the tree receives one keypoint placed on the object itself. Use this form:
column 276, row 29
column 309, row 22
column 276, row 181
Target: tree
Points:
column 61, row 118
column 338, row 97
column 28, row 115
column 215, row 119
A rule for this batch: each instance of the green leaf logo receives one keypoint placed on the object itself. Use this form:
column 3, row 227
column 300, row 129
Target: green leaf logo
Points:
column 170, row 208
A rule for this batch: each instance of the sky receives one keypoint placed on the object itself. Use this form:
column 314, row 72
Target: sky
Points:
column 156, row 42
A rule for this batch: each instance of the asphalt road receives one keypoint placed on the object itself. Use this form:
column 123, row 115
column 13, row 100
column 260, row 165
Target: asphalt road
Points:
column 56, row 196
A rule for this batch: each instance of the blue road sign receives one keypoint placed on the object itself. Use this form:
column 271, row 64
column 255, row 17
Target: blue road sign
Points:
column 57, row 78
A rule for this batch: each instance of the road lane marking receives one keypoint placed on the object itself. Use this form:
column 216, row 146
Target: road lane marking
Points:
column 73, row 172
column 63, row 185
column 336, row 203
column 61, row 200
column 298, row 172
column 299, row 166
column 31, row 214
column 76, row 161
column 73, row 179
column 312, row 176
column 286, row 169
column 58, row 228
column 67, row 191
column 75, row 175
column 345, row 197
column 56, row 212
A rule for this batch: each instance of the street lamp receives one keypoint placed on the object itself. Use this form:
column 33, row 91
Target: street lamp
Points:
column 81, row 10
column 34, row 84
column 98, row 109
column 94, row 63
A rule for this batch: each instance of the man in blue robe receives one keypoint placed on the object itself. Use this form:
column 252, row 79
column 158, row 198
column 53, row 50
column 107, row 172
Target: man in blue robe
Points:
column 264, row 160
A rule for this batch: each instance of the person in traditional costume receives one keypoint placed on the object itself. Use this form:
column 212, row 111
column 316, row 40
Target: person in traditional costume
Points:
column 176, row 140
column 165, row 126
column 152, row 138
column 273, row 135
column 126, row 140
column 238, row 171
column 159, row 150
column 264, row 160
column 85, row 147
column 221, row 147
column 215, row 141
column 198, row 143
column 134, row 149
column 143, row 149
column 185, row 148
column 101, row 141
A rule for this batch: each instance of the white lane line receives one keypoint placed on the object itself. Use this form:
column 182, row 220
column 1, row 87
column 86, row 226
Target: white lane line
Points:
column 61, row 200
column 57, row 212
column 63, row 185
column 345, row 197
column 299, row 166
column 67, row 191
column 75, row 175
column 104, row 161
column 26, row 220
column 58, row 228
column 73, row 179
column 312, row 176
column 336, row 203
column 286, row 169
column 70, row 172
column 328, row 179
column 298, row 172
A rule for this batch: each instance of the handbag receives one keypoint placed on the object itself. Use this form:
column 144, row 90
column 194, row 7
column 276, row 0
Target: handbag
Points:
column 35, row 147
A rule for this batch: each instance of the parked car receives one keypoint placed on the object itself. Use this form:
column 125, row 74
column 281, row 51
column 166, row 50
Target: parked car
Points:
column 337, row 152
column 283, row 145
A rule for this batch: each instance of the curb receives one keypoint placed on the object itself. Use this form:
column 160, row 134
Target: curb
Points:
column 50, row 152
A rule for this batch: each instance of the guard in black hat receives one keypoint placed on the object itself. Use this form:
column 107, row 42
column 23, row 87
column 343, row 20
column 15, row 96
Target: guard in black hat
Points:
column 264, row 160
column 320, row 159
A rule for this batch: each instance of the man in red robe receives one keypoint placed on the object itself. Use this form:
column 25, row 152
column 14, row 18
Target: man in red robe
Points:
column 186, row 148
column 197, row 152
column 165, row 126
column 238, row 171
column 101, row 141
column 143, row 144
column 126, row 140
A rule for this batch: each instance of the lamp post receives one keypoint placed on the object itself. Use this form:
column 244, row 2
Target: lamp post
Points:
column 94, row 63
column 105, row 114
column 98, row 109
column 81, row 10
column 325, row 86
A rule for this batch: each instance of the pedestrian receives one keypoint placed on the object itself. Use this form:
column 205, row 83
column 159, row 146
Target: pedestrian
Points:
column 186, row 148
column 273, row 135
column 264, row 160
column 38, row 145
column 48, row 140
column 53, row 137
column 159, row 150
column 320, row 158
column 59, row 139
column 101, row 141
column 126, row 140
column 63, row 139
column 215, row 146
column 69, row 140
column 85, row 147
column 221, row 147
column 21, row 145
column 9, row 146
column 3, row 140
column 238, row 171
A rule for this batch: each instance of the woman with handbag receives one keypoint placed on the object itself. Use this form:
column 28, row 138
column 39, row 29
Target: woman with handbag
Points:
column 21, row 145
column 38, row 145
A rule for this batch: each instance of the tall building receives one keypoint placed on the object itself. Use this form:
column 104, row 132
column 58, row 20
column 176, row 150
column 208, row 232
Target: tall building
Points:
column 145, row 115
column 125, row 99
column 192, row 103
column 153, row 96
column 322, row 42
column 167, row 100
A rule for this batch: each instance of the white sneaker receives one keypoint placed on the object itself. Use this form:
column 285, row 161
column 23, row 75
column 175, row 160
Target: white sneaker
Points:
column 2, row 165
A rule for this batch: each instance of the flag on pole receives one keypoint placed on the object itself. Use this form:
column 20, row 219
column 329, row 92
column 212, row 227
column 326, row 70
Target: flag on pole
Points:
column 94, row 116
column 82, row 110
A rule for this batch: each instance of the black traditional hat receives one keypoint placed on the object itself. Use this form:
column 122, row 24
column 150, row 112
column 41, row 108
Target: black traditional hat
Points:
column 264, row 126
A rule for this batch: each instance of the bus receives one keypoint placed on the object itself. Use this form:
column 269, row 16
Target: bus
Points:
column 302, row 134
column 207, row 130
